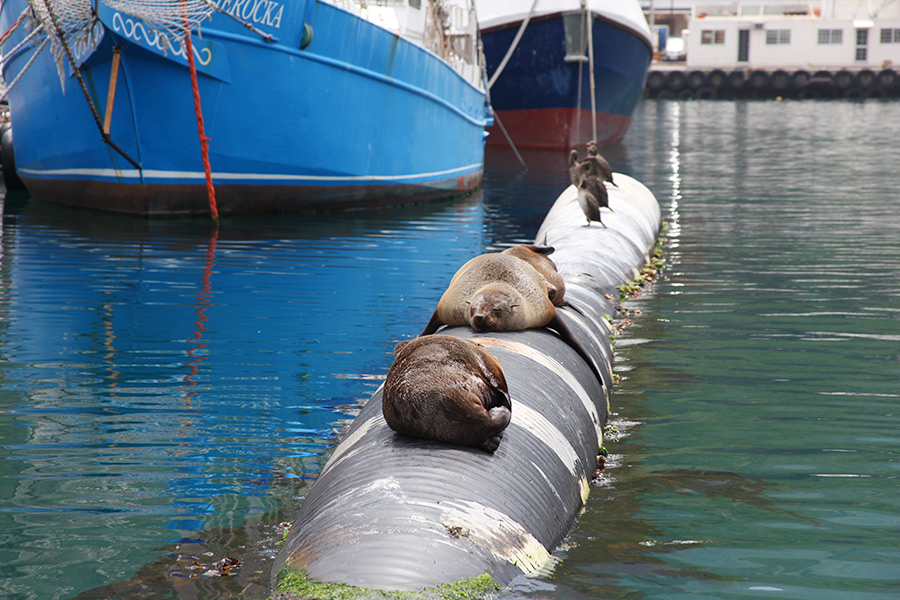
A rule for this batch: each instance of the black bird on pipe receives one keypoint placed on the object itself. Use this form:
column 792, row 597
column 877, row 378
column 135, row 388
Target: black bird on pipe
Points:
column 589, row 176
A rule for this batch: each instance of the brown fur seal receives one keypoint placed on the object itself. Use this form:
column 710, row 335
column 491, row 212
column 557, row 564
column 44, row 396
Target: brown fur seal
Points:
column 499, row 292
column 536, row 256
column 447, row 389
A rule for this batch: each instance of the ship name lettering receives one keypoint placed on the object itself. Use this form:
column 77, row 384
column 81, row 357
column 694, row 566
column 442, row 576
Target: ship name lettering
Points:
column 264, row 12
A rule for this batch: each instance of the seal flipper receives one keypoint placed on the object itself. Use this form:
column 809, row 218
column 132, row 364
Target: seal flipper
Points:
column 433, row 325
column 491, row 444
column 573, row 307
column 566, row 335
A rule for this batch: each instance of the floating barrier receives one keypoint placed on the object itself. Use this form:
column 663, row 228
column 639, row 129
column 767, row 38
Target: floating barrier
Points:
column 771, row 83
column 389, row 512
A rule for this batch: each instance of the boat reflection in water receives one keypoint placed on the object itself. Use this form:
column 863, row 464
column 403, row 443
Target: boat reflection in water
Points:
column 163, row 384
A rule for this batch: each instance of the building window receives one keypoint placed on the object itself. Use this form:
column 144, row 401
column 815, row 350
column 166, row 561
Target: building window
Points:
column 862, row 37
column 861, row 53
column 778, row 36
column 712, row 36
column 831, row 36
column 890, row 36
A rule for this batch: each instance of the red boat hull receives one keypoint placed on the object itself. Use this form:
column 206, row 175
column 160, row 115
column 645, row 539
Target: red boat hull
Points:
column 557, row 128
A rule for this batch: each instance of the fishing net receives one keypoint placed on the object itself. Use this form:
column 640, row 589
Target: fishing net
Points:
column 76, row 21
column 167, row 17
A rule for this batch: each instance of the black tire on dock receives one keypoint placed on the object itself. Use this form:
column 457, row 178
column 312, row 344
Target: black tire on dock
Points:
column 736, row 80
column 887, row 78
column 665, row 95
column 676, row 80
column 865, row 79
column 800, row 79
column 696, row 79
column 685, row 94
column 855, row 92
column 843, row 79
column 780, row 81
column 876, row 91
column 656, row 81
column 8, row 167
column 759, row 80
column 705, row 93
column 716, row 79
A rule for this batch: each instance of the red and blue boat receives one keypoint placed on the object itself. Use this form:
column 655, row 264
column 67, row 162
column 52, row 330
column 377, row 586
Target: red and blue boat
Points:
column 538, row 59
column 305, row 103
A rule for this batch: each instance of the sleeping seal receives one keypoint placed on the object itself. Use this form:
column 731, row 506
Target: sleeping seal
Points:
column 499, row 292
column 447, row 389
column 536, row 256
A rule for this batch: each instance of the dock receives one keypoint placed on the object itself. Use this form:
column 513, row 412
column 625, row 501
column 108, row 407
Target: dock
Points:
column 676, row 81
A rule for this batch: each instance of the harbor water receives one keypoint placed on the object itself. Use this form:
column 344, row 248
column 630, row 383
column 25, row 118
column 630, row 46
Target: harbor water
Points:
column 167, row 394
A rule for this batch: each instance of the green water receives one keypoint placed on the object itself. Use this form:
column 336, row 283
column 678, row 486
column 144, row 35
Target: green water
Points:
column 760, row 395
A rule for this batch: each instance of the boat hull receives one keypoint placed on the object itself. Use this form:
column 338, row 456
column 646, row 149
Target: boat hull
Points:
column 374, row 122
column 543, row 100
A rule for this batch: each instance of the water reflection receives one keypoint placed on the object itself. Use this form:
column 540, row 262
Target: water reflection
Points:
column 162, row 382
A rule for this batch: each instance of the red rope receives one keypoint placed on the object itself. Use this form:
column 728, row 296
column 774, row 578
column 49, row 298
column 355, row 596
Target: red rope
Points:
column 12, row 28
column 204, row 141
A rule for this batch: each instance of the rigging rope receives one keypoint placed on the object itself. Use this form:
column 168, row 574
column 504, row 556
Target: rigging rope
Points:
column 512, row 47
column 31, row 60
column 9, row 55
column 204, row 141
column 14, row 25
column 590, row 26
column 60, row 35
column 72, row 19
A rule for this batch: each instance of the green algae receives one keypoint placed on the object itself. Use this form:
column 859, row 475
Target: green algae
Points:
column 295, row 585
column 650, row 272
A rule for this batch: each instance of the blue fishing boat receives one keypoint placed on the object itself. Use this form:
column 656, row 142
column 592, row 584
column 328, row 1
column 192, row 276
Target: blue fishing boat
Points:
column 304, row 104
column 562, row 72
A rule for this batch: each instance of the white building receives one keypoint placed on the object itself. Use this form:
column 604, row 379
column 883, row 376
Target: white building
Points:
column 817, row 34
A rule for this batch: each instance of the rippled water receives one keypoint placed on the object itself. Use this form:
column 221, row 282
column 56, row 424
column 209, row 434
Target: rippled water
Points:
column 167, row 394
column 760, row 392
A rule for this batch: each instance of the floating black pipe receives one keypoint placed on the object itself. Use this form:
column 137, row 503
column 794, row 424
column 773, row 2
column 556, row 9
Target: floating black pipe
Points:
column 389, row 512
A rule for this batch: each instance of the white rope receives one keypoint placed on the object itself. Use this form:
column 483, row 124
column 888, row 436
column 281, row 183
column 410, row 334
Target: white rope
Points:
column 9, row 55
column 76, row 22
column 512, row 47
column 25, row 68
column 590, row 26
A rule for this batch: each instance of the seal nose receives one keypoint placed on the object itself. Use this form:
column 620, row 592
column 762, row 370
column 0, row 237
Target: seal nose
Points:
column 477, row 321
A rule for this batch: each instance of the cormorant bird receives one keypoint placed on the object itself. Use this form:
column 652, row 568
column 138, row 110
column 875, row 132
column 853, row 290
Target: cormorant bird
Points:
column 589, row 176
